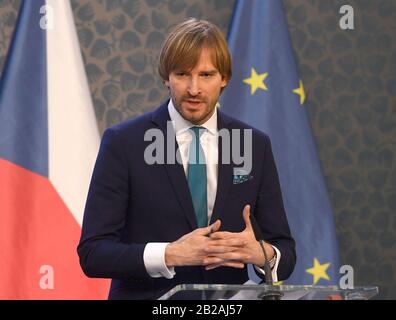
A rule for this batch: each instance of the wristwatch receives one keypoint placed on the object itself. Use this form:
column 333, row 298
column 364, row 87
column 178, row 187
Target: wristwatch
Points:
column 272, row 261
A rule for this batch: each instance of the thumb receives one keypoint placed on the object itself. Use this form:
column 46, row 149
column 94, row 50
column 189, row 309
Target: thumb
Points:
column 215, row 226
column 246, row 217
column 211, row 228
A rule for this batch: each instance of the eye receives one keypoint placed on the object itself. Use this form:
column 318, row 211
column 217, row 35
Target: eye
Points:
column 181, row 73
column 207, row 75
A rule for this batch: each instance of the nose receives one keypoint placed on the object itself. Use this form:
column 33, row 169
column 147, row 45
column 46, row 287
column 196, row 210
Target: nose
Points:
column 193, row 87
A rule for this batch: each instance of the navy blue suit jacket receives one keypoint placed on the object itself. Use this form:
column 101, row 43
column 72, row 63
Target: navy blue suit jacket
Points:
column 131, row 203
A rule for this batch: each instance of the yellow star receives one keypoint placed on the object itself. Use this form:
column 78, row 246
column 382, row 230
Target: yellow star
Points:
column 319, row 271
column 300, row 91
column 256, row 81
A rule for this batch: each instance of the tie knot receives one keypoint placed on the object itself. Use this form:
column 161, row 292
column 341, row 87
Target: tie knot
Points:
column 197, row 130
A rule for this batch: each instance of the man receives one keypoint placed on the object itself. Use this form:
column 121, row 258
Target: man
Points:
column 151, row 225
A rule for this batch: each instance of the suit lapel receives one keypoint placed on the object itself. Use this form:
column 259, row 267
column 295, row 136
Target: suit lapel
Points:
column 175, row 171
column 224, row 178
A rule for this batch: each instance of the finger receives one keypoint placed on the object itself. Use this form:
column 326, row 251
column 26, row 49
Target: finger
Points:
column 219, row 249
column 212, row 260
column 233, row 255
column 236, row 242
column 206, row 231
column 239, row 265
column 246, row 216
column 222, row 235
column 212, row 266
column 233, row 264
column 215, row 226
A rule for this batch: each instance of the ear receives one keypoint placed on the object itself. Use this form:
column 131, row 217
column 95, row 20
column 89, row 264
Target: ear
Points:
column 166, row 82
column 224, row 82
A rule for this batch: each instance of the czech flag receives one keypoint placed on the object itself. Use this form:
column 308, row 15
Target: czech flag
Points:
column 48, row 145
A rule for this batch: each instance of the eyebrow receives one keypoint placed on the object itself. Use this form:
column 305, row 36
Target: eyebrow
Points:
column 212, row 71
column 209, row 71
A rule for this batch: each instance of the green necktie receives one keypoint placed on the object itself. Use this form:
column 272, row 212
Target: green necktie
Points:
column 196, row 176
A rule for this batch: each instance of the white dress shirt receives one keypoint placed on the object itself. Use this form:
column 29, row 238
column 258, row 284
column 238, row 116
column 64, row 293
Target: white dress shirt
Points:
column 154, row 252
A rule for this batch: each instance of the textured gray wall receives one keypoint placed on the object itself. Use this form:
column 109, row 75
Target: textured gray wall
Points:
column 350, row 79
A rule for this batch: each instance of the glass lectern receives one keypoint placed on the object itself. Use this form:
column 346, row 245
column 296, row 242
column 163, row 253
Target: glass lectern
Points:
column 266, row 292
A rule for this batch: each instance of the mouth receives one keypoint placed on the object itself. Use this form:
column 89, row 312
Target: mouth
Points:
column 193, row 103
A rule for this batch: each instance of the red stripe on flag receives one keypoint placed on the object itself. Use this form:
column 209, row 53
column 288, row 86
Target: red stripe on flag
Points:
column 38, row 236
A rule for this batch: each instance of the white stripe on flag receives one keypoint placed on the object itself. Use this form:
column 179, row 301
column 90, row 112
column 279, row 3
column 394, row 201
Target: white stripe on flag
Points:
column 72, row 128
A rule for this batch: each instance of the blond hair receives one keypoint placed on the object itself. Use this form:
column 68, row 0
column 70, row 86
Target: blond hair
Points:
column 182, row 48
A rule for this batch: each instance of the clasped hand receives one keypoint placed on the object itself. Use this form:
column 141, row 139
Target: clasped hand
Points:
column 213, row 248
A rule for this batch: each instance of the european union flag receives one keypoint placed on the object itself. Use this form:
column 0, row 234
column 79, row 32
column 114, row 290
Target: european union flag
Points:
column 267, row 93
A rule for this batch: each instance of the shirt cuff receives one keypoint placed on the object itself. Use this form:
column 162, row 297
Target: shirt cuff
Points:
column 274, row 271
column 154, row 260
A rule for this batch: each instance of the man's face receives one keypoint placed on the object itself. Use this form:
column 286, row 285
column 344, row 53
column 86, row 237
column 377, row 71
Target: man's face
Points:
column 195, row 93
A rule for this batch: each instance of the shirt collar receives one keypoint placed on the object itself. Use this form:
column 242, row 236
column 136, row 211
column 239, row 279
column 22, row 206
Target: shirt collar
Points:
column 181, row 125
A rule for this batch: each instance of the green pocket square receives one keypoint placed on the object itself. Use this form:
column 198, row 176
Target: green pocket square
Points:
column 240, row 176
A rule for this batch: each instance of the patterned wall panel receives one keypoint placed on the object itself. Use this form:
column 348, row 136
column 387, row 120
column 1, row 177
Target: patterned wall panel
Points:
column 121, row 41
column 8, row 15
column 350, row 79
